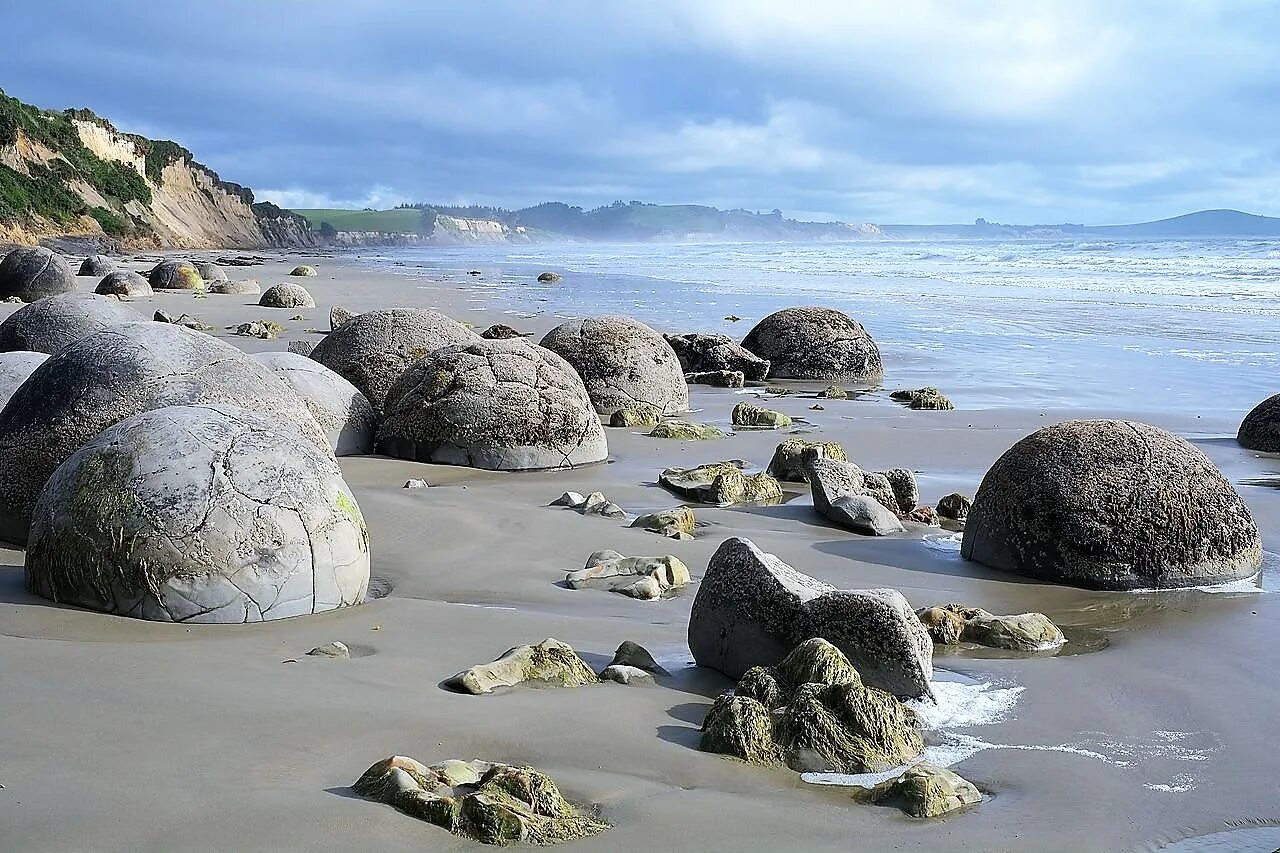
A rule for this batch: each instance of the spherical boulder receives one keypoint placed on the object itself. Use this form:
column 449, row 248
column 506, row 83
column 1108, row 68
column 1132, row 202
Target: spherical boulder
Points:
column 287, row 296
column 244, row 287
column 33, row 272
column 15, row 367
column 114, row 374
column 501, row 404
column 622, row 362
column 204, row 513
column 175, row 275
column 372, row 349
column 98, row 265
column 123, row 284
column 338, row 406
column 303, row 270
column 815, row 343
column 49, row 324
column 210, row 272
column 1108, row 504
column 1260, row 429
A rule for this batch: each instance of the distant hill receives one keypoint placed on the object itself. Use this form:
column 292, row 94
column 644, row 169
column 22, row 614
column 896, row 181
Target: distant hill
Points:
column 1202, row 223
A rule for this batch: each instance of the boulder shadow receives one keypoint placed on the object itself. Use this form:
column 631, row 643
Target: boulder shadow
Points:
column 912, row 555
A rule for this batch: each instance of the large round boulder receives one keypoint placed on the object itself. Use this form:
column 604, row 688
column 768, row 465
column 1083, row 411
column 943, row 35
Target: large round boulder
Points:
column 371, row 350
column 125, row 283
column 1112, row 505
column 114, row 374
column 808, row 342
column 338, row 406
column 504, row 405
column 622, row 362
column 33, row 272
column 206, row 513
column 49, row 324
column 287, row 295
column 98, row 265
column 15, row 367
column 175, row 275
column 1260, row 429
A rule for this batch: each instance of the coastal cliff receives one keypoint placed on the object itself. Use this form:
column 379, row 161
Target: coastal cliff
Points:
column 72, row 174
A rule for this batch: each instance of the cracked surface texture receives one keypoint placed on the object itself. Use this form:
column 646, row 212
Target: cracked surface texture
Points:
column 622, row 362
column 33, row 272
column 371, row 350
column 287, row 295
column 1111, row 504
column 49, row 324
column 502, row 404
column 203, row 513
column 809, row 342
column 111, row 375
column 338, row 406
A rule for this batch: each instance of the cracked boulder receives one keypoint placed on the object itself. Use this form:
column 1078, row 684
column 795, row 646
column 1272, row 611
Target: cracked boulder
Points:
column 123, row 283
column 752, row 609
column 701, row 353
column 175, row 275
column 49, row 324
column 372, row 349
column 202, row 513
column 15, row 367
column 622, row 362
column 287, row 295
column 721, row 483
column 29, row 273
column 114, row 374
column 479, row 800
column 815, row 343
column 97, row 265
column 502, row 405
column 550, row 662
column 337, row 406
column 646, row 578
column 1113, row 505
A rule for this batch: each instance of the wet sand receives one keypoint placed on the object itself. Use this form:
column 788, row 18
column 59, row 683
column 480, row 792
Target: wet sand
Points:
column 126, row 735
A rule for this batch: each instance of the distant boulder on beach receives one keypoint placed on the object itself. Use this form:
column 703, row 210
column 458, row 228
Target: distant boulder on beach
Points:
column 815, row 343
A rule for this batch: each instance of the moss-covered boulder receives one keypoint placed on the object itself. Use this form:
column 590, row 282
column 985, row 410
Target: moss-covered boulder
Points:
column 549, row 662
column 925, row 790
column 175, row 275
column 945, row 626
column 303, row 270
column 635, row 415
column 834, row 392
column 788, row 462
column 677, row 522
column 923, row 398
column 479, row 800
column 721, row 483
column 33, row 272
column 747, row 415
column 954, row 623
column 685, row 431
column 239, row 287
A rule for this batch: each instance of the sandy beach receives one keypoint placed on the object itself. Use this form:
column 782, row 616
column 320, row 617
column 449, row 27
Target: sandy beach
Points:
column 1154, row 723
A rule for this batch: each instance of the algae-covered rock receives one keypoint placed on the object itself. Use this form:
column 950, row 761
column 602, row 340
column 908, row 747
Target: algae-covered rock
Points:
column 677, row 522
column 747, row 415
column 303, row 270
column 241, row 287
column 482, row 801
column 265, row 329
column 548, row 277
column 954, row 623
column 834, row 392
column 639, row 577
column 721, row 483
column 945, row 626
column 175, row 275
column 635, row 415
column 550, row 661
column 923, row 398
column 741, row 727
column 788, row 462
column 925, row 790
column 685, row 431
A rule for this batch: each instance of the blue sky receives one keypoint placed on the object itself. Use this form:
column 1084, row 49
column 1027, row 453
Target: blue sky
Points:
column 909, row 111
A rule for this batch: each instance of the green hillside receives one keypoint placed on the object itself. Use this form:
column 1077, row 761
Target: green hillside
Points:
column 401, row 220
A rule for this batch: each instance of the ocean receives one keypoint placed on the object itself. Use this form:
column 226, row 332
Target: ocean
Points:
column 1185, row 326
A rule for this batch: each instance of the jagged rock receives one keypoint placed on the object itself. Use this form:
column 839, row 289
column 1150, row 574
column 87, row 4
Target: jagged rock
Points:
column 415, row 483
column 98, row 265
column 303, row 270
column 685, row 431
column 829, row 478
column 287, row 295
column 243, row 287
column 482, row 801
column 923, row 398
column 636, row 656
column 835, row 392
column 945, row 626
column 373, row 349
column 625, row 674
column 677, row 522
column 210, row 272
column 815, row 343
column 639, row 577
column 747, row 415
column 788, row 462
column 550, row 661
column 954, row 506
column 333, row 649
column 16, row 366
column 925, row 790
column 717, row 378
column 569, row 499
column 123, row 283
column 194, row 514
column 636, row 415
column 906, row 491
column 840, row 496
column 1111, row 505
column 339, row 315
column 877, row 485
column 699, row 353
column 116, row 373
column 503, row 405
column 29, row 273
column 752, row 609
column 175, row 275
column 265, row 329
column 549, row 277
column 622, row 362
column 721, row 483
column 338, row 407
column 922, row 515
column 53, row 322
column 503, row 332
column 955, row 623
column 303, row 348
column 184, row 320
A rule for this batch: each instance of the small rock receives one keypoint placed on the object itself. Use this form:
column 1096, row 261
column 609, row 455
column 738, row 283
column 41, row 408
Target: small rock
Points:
column 569, row 499
column 923, row 398
column 333, row 649
column 717, row 378
column 635, row 655
column 925, row 790
column 502, row 332
column 952, row 624
column 685, row 431
column 415, row 484
column 733, row 318
column 656, row 575
column 625, row 674
column 302, row 347
column 669, row 522
column 339, row 315
column 864, row 514
column 550, row 661
column 835, row 392
column 264, row 329
column 954, row 506
column 922, row 515
column 303, row 269
column 747, row 415
column 788, row 462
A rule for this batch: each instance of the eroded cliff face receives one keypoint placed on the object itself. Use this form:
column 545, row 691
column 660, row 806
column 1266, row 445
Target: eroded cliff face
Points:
column 447, row 231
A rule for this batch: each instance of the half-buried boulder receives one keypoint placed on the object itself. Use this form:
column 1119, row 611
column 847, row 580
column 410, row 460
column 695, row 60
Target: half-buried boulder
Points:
column 952, row 624
column 287, row 295
column 114, row 374
column 550, row 662
column 242, row 287
column 701, row 353
column 338, row 406
column 49, row 324
column 1108, row 504
column 372, row 349
column 678, row 430
column 1260, row 429
column 98, row 265
column 815, row 343
column 210, row 272
column 622, row 362
column 748, row 415
column 503, row 405
column 303, row 270
column 721, row 483
column 175, row 275
column 199, row 514
column 123, row 283
column 33, row 272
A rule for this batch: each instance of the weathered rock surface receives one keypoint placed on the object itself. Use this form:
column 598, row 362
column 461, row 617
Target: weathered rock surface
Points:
column 815, row 343
column 503, row 405
column 548, row 277
column 338, row 407
column 287, row 295
column 926, row 790
column 29, row 273
column 717, row 378
column 264, row 329
column 374, row 348
column 923, row 398
column 1111, row 504
column 185, row 320
column 304, row 348
column 593, row 504
column 625, row 674
column 685, row 431
column 906, row 491
column 1260, row 429
column 339, row 315
column 747, row 415
column 194, row 514
column 503, row 332
column 635, row 415
column 951, row 624
column 242, row 287
column 334, row 649
column 646, row 578
column 622, row 362
column 700, row 353
column 676, row 523
column 97, row 265
column 636, row 656
column 840, row 495
column 752, row 609
column 863, row 514
column 954, row 506
column 124, row 283
column 15, row 368
column 834, row 392
column 721, row 483
column 551, row 662
column 788, row 462
column 49, row 324
column 175, row 275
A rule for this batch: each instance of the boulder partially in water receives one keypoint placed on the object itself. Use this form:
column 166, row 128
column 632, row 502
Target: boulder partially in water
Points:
column 639, row 577
column 622, row 362
column 34, row 272
column 748, row 415
column 810, row 342
column 1260, row 429
column 925, row 790
column 951, row 624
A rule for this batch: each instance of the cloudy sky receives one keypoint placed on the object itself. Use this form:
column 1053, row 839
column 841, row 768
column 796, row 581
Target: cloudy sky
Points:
column 903, row 111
